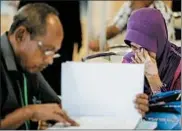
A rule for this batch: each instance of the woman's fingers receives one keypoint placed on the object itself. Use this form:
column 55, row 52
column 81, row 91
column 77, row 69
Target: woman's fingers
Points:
column 137, row 59
column 142, row 113
column 142, row 107
column 146, row 55
column 133, row 60
column 140, row 55
column 142, row 101
column 143, row 95
column 142, row 104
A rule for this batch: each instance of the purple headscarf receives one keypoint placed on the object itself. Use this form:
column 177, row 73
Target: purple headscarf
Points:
column 147, row 28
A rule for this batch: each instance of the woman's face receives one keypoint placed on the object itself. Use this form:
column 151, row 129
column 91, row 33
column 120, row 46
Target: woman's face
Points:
column 136, row 47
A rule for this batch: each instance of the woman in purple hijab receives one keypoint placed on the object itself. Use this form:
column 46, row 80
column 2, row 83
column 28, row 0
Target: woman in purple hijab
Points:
column 147, row 35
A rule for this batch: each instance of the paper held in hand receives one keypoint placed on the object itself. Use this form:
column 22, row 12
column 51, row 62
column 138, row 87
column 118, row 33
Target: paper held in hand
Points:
column 101, row 95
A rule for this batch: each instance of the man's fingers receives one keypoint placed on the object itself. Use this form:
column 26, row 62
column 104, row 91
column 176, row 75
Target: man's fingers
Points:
column 58, row 109
column 64, row 115
column 72, row 122
column 43, row 123
column 43, row 127
column 59, row 118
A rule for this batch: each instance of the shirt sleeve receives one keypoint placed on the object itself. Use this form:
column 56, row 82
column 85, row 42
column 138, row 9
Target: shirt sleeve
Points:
column 45, row 92
column 3, row 92
column 120, row 20
column 168, row 16
column 1, row 103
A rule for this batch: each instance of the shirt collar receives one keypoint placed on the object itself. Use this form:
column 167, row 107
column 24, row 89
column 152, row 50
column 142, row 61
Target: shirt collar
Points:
column 8, row 53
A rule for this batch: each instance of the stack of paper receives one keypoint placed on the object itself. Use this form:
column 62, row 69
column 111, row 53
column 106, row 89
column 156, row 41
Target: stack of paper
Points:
column 105, row 123
column 101, row 95
column 89, row 122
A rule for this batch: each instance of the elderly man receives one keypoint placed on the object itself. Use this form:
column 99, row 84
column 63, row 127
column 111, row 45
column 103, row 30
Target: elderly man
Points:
column 30, row 46
column 72, row 34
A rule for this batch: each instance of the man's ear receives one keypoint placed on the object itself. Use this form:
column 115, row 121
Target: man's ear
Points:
column 21, row 34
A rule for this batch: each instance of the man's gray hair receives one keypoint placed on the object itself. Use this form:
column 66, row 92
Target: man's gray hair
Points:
column 33, row 18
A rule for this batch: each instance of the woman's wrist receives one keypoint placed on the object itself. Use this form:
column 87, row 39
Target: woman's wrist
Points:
column 154, row 81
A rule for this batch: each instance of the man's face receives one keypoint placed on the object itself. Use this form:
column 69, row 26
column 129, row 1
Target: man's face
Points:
column 36, row 54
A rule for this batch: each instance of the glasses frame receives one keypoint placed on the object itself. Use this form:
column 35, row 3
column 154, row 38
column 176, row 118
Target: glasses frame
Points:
column 47, row 52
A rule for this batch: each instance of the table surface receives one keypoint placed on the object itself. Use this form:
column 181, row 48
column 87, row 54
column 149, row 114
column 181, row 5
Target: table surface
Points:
column 141, row 125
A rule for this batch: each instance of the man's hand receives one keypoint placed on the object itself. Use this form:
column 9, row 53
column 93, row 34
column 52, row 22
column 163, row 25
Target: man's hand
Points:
column 53, row 112
column 142, row 103
column 42, row 125
column 39, row 112
column 94, row 46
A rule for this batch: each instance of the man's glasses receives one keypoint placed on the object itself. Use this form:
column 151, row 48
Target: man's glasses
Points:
column 47, row 52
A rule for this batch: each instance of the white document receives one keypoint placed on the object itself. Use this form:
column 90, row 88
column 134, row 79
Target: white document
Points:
column 89, row 122
column 97, row 94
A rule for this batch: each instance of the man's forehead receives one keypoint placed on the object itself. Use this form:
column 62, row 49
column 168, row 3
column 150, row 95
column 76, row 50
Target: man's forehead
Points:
column 54, row 33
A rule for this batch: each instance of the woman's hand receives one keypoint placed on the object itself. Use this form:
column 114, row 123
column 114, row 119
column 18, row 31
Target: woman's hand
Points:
column 142, row 57
column 142, row 103
column 151, row 70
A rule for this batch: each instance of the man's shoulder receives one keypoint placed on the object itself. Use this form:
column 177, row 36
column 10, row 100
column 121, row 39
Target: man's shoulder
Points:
column 2, row 62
